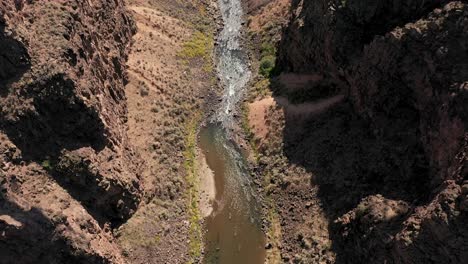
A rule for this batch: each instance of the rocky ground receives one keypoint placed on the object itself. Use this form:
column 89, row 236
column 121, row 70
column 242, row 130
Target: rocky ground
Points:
column 170, row 80
column 68, row 172
column 360, row 130
column 97, row 102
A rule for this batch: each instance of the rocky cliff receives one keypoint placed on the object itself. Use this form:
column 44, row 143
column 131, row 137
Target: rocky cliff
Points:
column 327, row 35
column 403, row 67
column 68, row 173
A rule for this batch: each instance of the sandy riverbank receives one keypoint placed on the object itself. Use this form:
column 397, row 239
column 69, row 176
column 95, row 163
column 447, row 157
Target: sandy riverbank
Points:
column 207, row 188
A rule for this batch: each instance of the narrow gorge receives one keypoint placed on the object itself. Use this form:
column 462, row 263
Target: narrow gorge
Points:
column 233, row 131
column 233, row 229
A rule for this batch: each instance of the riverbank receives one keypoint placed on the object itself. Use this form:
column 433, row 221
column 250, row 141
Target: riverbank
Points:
column 233, row 230
column 207, row 184
column 172, row 52
column 296, row 227
column 171, row 78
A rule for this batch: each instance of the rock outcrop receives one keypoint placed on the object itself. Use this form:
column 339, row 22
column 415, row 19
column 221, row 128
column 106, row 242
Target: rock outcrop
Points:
column 68, row 173
column 403, row 67
column 414, row 80
column 326, row 36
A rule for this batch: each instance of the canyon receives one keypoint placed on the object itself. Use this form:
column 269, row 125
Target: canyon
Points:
column 254, row 131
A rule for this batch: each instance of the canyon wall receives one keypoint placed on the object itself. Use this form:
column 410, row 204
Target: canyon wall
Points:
column 68, row 174
column 402, row 66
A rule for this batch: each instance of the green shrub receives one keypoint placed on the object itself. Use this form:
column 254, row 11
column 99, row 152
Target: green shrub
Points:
column 198, row 46
column 267, row 58
column 46, row 164
column 267, row 64
column 267, row 49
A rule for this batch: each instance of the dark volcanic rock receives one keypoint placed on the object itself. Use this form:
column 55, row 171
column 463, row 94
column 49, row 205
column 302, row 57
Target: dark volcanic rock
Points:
column 403, row 66
column 62, row 106
column 412, row 84
column 326, row 36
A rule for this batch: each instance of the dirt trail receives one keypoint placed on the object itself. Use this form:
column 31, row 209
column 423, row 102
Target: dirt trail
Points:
column 309, row 108
column 293, row 81
column 258, row 110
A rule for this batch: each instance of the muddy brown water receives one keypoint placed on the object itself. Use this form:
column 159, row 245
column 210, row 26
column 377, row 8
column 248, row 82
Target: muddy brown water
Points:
column 233, row 230
column 233, row 233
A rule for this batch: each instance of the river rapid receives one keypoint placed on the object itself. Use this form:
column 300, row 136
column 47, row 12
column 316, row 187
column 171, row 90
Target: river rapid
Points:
column 233, row 231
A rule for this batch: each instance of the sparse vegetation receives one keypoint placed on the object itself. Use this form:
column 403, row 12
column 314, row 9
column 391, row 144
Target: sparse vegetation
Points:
column 267, row 59
column 163, row 124
column 136, row 238
column 274, row 229
column 260, row 89
column 199, row 46
column 273, row 233
column 195, row 229
column 46, row 164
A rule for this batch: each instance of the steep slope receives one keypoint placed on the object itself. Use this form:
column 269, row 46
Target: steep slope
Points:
column 68, row 172
column 411, row 86
column 383, row 172
column 170, row 80
column 327, row 35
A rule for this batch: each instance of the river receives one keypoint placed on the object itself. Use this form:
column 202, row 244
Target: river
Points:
column 233, row 233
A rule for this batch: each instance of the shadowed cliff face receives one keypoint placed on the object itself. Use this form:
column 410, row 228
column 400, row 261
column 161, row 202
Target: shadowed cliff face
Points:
column 30, row 234
column 418, row 74
column 57, row 120
column 63, row 120
column 399, row 142
column 14, row 58
column 326, row 36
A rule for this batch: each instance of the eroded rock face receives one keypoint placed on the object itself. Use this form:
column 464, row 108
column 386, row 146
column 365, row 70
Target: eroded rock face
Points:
column 415, row 79
column 63, row 120
column 326, row 36
column 42, row 223
column 403, row 67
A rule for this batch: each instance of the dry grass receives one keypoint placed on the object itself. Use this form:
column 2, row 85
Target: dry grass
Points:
column 193, row 182
column 162, row 95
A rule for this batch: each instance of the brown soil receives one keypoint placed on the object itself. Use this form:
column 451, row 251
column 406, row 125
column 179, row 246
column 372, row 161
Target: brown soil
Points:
column 265, row 13
column 257, row 118
column 165, row 93
column 300, row 219
column 259, row 111
column 67, row 172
